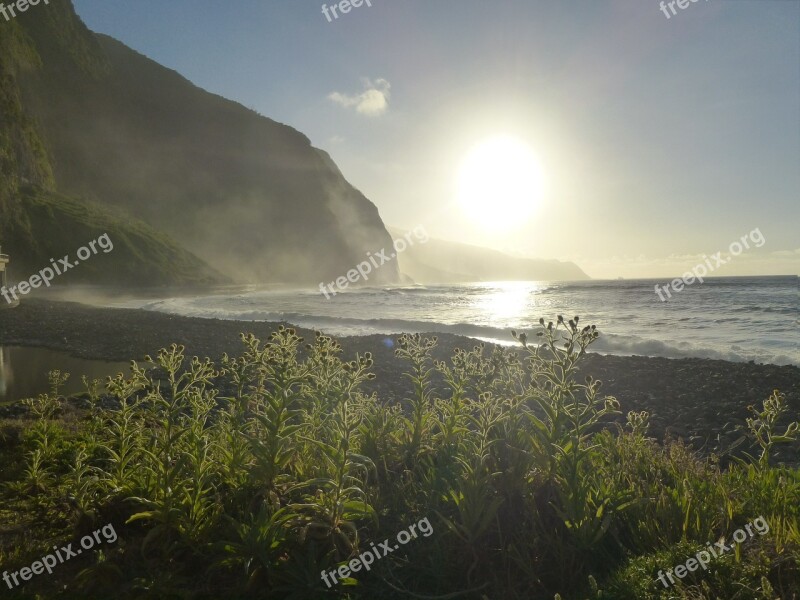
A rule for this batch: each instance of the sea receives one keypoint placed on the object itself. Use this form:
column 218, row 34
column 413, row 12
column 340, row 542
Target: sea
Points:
column 736, row 319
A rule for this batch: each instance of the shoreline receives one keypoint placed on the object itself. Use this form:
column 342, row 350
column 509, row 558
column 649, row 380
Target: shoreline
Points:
column 700, row 400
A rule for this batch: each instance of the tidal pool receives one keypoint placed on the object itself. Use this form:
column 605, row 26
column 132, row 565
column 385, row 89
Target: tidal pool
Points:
column 23, row 371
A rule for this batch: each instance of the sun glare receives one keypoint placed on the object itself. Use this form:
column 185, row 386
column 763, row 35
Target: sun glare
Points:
column 500, row 183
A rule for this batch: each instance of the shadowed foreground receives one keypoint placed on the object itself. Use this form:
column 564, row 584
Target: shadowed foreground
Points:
column 250, row 476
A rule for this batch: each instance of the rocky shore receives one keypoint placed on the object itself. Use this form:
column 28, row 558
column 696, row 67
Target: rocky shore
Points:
column 702, row 401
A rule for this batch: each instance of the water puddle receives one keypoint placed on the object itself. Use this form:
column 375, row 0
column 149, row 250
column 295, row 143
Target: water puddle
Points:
column 23, row 371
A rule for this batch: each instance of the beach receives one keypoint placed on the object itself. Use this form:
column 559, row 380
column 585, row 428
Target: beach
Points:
column 702, row 401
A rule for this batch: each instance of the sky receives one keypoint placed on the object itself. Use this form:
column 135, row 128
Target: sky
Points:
column 649, row 141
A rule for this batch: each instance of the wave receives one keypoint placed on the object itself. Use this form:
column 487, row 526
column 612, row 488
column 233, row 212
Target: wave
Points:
column 406, row 289
column 608, row 343
column 781, row 310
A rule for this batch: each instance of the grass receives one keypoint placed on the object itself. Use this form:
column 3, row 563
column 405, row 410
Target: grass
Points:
column 47, row 222
column 248, row 477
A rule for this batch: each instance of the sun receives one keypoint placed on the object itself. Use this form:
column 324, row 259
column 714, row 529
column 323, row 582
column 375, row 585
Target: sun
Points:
column 500, row 183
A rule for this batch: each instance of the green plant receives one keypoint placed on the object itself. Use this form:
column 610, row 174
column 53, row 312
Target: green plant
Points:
column 274, row 465
column 764, row 426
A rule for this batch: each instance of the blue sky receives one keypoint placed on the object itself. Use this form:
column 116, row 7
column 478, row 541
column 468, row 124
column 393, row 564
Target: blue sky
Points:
column 659, row 140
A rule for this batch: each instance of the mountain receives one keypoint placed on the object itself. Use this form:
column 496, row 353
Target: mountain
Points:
column 218, row 187
column 192, row 188
column 438, row 261
column 36, row 222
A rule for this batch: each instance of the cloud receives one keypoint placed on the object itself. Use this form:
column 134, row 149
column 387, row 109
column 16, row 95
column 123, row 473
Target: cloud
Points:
column 790, row 253
column 778, row 262
column 372, row 102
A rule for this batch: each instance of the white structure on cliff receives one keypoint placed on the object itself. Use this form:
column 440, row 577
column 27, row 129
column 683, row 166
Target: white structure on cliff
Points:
column 4, row 260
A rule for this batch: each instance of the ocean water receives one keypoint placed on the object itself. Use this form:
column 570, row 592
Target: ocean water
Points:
column 736, row 319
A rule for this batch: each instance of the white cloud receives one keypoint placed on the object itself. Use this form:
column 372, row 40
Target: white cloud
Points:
column 779, row 262
column 373, row 101
column 790, row 253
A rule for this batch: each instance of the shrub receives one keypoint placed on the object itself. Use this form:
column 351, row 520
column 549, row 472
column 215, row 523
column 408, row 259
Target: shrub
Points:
column 251, row 476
